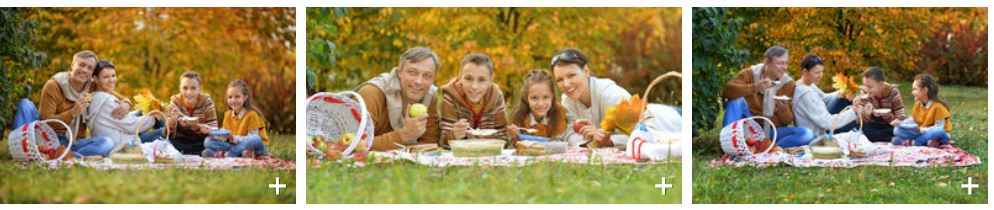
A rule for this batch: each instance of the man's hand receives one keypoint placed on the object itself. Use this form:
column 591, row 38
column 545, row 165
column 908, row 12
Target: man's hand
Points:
column 781, row 105
column 80, row 107
column 121, row 111
column 763, row 84
column 413, row 128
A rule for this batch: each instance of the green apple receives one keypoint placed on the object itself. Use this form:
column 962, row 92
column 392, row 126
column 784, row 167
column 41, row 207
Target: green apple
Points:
column 417, row 109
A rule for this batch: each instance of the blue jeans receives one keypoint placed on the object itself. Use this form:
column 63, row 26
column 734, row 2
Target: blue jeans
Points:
column 920, row 138
column 151, row 135
column 26, row 113
column 735, row 110
column 788, row 137
column 251, row 142
column 92, row 146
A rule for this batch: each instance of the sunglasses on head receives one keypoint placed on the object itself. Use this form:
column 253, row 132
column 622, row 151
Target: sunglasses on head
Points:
column 568, row 55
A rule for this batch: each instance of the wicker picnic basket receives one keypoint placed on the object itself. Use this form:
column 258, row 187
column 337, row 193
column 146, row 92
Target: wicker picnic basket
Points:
column 25, row 142
column 735, row 137
column 332, row 114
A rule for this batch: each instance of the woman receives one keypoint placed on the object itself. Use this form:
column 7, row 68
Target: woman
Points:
column 811, row 103
column 121, row 131
column 586, row 99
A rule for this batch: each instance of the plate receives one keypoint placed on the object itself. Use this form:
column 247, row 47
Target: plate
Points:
column 781, row 97
column 482, row 132
column 881, row 111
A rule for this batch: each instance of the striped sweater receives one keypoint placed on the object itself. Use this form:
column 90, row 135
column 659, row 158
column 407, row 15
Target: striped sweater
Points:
column 203, row 109
column 456, row 106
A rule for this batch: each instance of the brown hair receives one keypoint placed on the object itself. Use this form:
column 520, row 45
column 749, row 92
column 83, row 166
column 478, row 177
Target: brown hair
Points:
column 521, row 113
column 569, row 56
column 927, row 81
column 86, row 54
column 478, row 59
column 241, row 85
column 193, row 75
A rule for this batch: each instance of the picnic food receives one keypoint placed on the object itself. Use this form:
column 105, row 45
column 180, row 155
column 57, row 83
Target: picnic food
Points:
column 417, row 109
column 826, row 152
column 51, row 153
column 577, row 126
column 881, row 111
column 529, row 148
column 846, row 85
column 476, row 148
column 624, row 115
column 89, row 97
column 781, row 97
column 346, row 139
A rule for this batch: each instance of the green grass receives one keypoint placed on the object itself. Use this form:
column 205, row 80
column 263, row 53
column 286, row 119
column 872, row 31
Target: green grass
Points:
column 35, row 184
column 871, row 184
column 406, row 182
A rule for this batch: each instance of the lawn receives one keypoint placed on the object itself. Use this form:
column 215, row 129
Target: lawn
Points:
column 406, row 182
column 34, row 184
column 856, row 185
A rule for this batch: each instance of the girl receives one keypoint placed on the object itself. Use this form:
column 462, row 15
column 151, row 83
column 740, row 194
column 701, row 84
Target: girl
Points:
column 247, row 137
column 539, row 109
column 929, row 122
column 191, row 115
column 472, row 100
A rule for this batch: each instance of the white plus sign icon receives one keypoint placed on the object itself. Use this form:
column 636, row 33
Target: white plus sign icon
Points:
column 969, row 185
column 277, row 186
column 664, row 186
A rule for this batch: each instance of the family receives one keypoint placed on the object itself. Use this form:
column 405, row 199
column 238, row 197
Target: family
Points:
column 800, row 111
column 473, row 101
column 85, row 98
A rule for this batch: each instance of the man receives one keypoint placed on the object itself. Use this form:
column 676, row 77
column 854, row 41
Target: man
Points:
column 66, row 96
column 765, row 89
column 389, row 96
column 880, row 103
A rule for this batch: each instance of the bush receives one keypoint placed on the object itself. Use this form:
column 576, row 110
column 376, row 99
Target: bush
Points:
column 16, row 57
column 716, row 60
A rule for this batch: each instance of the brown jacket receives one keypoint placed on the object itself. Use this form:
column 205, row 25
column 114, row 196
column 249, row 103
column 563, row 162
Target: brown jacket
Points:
column 385, row 135
column 743, row 85
column 456, row 106
column 54, row 105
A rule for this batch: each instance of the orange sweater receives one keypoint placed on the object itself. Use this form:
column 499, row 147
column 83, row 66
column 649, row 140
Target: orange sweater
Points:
column 249, row 122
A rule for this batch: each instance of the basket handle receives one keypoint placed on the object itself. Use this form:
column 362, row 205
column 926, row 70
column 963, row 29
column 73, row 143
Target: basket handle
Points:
column 831, row 132
column 362, row 119
column 774, row 139
column 660, row 78
column 71, row 136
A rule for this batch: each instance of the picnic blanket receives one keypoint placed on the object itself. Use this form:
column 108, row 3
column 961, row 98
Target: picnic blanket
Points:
column 187, row 162
column 890, row 155
column 507, row 158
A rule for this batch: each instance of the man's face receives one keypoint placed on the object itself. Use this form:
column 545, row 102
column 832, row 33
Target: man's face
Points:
column 416, row 78
column 777, row 66
column 872, row 86
column 82, row 69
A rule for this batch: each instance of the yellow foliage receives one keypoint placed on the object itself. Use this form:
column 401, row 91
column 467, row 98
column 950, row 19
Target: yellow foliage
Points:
column 624, row 115
column 846, row 85
column 146, row 102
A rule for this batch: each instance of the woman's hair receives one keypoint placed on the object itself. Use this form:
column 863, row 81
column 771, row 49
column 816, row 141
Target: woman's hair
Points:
column 241, row 85
column 538, row 76
column 104, row 64
column 569, row 56
column 810, row 61
column 927, row 81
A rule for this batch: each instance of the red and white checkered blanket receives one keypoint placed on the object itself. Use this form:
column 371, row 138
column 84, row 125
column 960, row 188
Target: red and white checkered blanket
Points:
column 507, row 158
column 187, row 162
column 890, row 155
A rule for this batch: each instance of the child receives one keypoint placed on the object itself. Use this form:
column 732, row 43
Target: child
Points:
column 246, row 124
column 472, row 101
column 538, row 110
column 191, row 115
column 929, row 122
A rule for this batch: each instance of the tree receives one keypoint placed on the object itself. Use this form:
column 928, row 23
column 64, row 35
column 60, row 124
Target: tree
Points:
column 716, row 61
column 16, row 58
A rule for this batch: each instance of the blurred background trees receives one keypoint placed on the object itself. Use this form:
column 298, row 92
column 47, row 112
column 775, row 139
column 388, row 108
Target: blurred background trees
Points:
column 347, row 46
column 950, row 43
column 152, row 47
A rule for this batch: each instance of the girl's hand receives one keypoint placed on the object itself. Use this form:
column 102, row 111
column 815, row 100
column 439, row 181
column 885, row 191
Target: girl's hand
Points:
column 204, row 128
column 513, row 130
column 895, row 123
column 231, row 138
